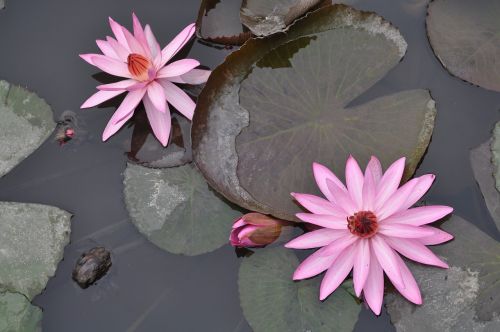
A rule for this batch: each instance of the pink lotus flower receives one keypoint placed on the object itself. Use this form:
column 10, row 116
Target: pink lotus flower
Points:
column 366, row 225
column 256, row 230
column 149, row 78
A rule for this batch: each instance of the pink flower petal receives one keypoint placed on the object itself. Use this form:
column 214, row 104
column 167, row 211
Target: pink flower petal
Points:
column 313, row 265
column 337, row 273
column 160, row 122
column 375, row 168
column 369, row 189
column 343, row 199
column 128, row 85
column 387, row 259
column 119, row 49
column 111, row 66
column 361, row 265
column 373, row 290
column 340, row 244
column 157, row 96
column 438, row 237
column 415, row 250
column 114, row 125
column 323, row 220
column 390, row 182
column 315, row 239
column 129, row 104
column 177, row 68
column 354, row 180
column 89, row 57
column 178, row 98
column 239, row 223
column 247, row 231
column 319, row 205
column 404, row 231
column 321, row 174
column 420, row 215
column 394, row 203
column 411, row 290
column 423, row 185
column 140, row 36
column 154, row 46
column 106, row 49
column 177, row 43
column 100, row 97
column 134, row 45
column 118, row 32
column 195, row 76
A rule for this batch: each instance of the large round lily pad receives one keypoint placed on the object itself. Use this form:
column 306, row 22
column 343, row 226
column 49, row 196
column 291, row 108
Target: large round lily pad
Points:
column 32, row 241
column 18, row 315
column 482, row 166
column 495, row 155
column 465, row 36
column 177, row 210
column 265, row 17
column 25, row 123
column 465, row 297
column 282, row 102
column 219, row 22
column 273, row 302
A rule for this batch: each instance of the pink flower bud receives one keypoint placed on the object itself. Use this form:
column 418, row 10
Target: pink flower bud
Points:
column 255, row 230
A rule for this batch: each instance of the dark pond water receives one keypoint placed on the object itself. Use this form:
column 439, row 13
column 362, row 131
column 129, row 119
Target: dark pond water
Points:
column 147, row 288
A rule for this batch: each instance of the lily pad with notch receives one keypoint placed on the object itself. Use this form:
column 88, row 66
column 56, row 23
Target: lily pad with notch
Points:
column 177, row 210
column 282, row 102
column 465, row 297
column 26, row 121
column 272, row 301
column 465, row 36
column 219, row 22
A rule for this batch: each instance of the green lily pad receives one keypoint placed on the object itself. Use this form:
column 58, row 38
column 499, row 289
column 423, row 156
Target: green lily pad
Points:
column 18, row 315
column 25, row 123
column 265, row 17
column 32, row 241
column 219, row 22
column 495, row 154
column 465, row 297
column 465, row 36
column 177, row 210
column 272, row 301
column 482, row 167
column 284, row 101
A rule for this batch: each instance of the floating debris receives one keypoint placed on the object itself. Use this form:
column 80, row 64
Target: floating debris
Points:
column 91, row 266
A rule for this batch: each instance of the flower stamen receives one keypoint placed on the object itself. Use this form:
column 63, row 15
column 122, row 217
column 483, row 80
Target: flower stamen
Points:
column 363, row 224
column 138, row 66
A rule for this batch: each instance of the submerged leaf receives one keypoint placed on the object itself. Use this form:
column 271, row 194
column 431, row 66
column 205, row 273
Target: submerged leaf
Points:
column 25, row 123
column 219, row 22
column 265, row 17
column 465, row 36
column 32, row 241
column 147, row 151
column 2, row 4
column 465, row 297
column 18, row 315
column 177, row 210
column 283, row 102
column 495, row 155
column 481, row 161
column 273, row 302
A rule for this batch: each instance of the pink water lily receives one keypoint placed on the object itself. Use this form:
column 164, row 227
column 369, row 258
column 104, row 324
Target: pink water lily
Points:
column 365, row 226
column 256, row 230
column 148, row 76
